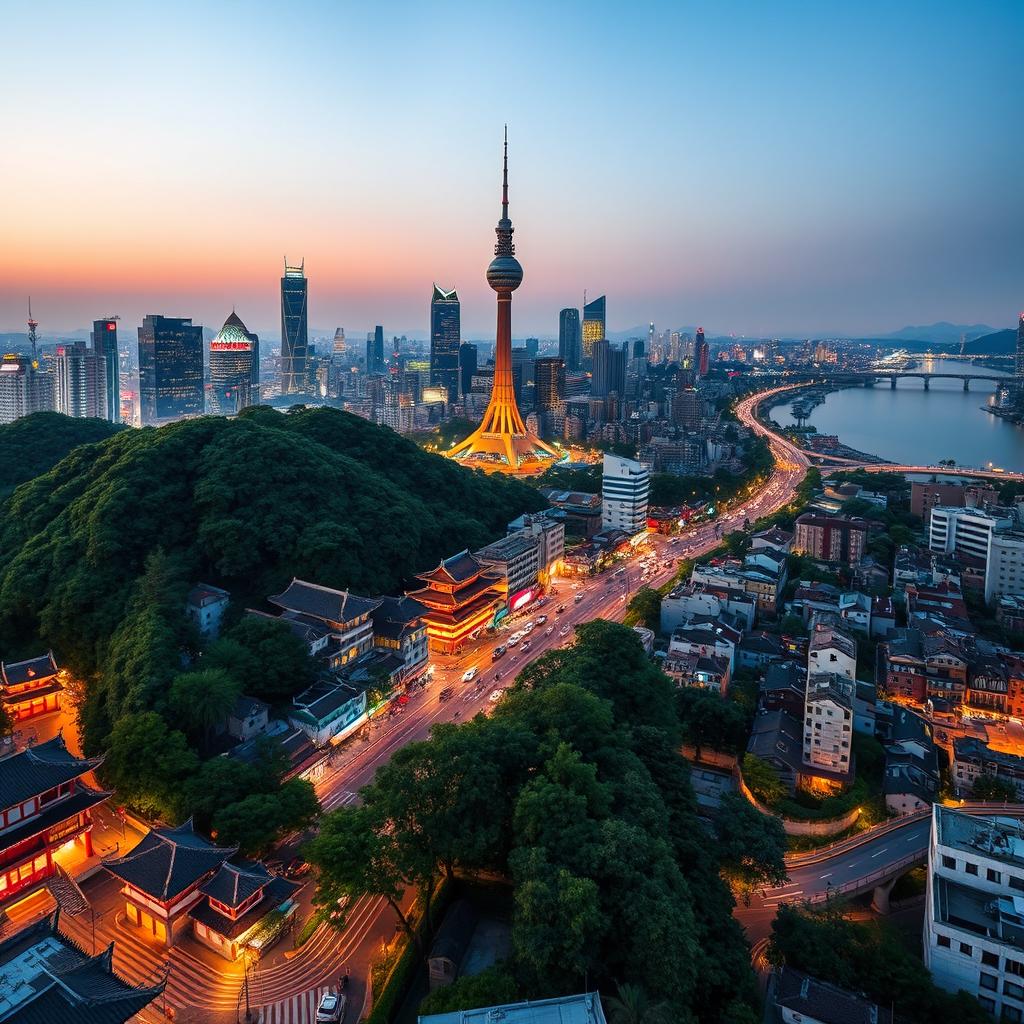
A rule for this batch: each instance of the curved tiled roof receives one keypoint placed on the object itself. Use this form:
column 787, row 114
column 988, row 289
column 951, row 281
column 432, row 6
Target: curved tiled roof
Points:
column 40, row 768
column 168, row 861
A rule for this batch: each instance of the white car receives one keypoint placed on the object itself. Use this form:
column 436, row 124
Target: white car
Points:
column 469, row 675
column 331, row 1008
column 514, row 639
column 495, row 696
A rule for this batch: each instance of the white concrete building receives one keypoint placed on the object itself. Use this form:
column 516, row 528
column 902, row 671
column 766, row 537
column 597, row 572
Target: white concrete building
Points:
column 828, row 723
column 1004, row 568
column 624, row 489
column 831, row 650
column 974, row 909
column 703, row 599
column 962, row 530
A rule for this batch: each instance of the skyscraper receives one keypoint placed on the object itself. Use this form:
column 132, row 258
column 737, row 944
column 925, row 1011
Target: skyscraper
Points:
column 170, row 369
column 502, row 443
column 375, row 350
column 467, row 367
column 599, row 361
column 80, row 381
column 549, row 383
column 1020, row 349
column 294, row 331
column 234, row 368
column 532, row 347
column 701, row 354
column 339, row 347
column 23, row 389
column 570, row 347
column 104, row 341
column 445, row 335
column 593, row 325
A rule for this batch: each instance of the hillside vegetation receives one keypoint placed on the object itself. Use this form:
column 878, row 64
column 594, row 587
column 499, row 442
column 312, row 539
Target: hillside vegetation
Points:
column 245, row 504
column 36, row 443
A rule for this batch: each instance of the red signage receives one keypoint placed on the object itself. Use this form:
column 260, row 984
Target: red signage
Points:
column 520, row 600
column 111, row 327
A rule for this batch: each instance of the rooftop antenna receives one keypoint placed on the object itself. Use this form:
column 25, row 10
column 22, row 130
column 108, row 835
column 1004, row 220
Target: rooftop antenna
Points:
column 32, row 325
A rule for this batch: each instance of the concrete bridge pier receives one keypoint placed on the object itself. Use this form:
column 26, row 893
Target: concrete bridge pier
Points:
column 967, row 382
column 892, row 383
column 927, row 381
column 880, row 897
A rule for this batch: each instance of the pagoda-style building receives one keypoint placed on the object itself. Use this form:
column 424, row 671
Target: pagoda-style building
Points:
column 45, row 809
column 45, row 977
column 503, row 443
column 163, row 876
column 30, row 688
column 458, row 598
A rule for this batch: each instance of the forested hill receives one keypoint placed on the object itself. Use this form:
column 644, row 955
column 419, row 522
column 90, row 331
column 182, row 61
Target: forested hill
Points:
column 244, row 503
column 36, row 443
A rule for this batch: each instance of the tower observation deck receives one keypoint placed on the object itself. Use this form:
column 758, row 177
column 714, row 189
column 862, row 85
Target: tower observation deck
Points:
column 502, row 443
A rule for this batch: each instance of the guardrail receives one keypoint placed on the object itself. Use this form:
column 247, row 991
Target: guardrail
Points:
column 852, row 842
column 868, row 881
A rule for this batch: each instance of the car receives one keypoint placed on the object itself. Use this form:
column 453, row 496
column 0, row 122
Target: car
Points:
column 469, row 675
column 331, row 1008
column 564, row 631
column 528, row 628
column 296, row 868
column 578, row 598
column 495, row 696
column 514, row 639
column 560, row 609
column 541, row 619
column 549, row 630
column 445, row 694
column 497, row 653
column 526, row 645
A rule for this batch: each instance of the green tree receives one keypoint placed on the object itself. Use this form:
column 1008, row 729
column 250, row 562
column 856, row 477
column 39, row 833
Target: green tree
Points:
column 711, row 721
column 147, row 764
column 645, row 609
column 255, row 821
column 265, row 656
column 630, row 1005
column 752, row 845
column 737, row 543
column 203, row 699
column 763, row 780
column 990, row 787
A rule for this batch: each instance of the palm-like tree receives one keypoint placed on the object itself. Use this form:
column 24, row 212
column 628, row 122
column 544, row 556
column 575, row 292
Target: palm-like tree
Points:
column 631, row 1006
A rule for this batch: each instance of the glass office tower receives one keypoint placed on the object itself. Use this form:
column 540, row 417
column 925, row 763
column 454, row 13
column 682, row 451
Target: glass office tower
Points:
column 294, row 331
column 104, row 341
column 445, row 331
column 170, row 369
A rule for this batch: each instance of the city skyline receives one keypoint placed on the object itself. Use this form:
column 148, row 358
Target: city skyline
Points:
column 849, row 175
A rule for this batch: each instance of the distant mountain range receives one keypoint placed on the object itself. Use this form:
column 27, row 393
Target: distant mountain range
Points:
column 942, row 333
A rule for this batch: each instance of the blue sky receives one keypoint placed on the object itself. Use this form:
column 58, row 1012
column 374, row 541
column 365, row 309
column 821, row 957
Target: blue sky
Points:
column 763, row 169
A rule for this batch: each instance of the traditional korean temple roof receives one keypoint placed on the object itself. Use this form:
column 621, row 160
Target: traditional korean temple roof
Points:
column 235, row 883
column 456, row 569
column 323, row 602
column 52, row 814
column 275, row 892
column 40, row 768
column 17, row 672
column 440, row 598
column 396, row 616
column 45, row 977
column 168, row 861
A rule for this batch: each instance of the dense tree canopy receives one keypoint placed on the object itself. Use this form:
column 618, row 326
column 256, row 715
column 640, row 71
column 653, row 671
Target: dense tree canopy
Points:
column 36, row 443
column 573, row 790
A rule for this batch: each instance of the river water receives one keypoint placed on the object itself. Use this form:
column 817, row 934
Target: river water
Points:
column 912, row 426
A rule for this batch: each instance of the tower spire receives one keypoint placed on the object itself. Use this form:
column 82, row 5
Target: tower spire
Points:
column 504, row 181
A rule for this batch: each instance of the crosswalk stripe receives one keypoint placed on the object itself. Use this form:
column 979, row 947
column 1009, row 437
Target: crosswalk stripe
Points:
column 298, row 1009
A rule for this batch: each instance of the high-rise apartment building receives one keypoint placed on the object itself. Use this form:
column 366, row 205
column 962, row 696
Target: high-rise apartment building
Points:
column 609, row 369
column 294, row 331
column 104, row 341
column 23, row 389
column 375, row 350
column 687, row 409
column 624, row 489
column 80, row 381
column 701, row 353
column 170, row 369
column 467, row 367
column 549, row 383
column 593, row 325
column 831, row 538
column 445, row 338
column 234, row 368
column 965, row 531
column 828, row 725
column 570, row 345
column 974, row 919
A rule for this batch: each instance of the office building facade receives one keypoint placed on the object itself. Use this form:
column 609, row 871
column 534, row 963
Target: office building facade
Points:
column 170, row 369
column 467, row 367
column 445, row 339
column 624, row 490
column 549, row 383
column 234, row 368
column 375, row 351
column 104, row 341
column 80, row 381
column 593, row 325
column 294, row 331
column 570, row 345
column 23, row 389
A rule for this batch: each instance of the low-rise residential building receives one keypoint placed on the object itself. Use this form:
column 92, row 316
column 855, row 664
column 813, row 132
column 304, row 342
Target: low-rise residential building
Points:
column 883, row 617
column 974, row 914
column 831, row 538
column 775, row 738
column 398, row 626
column 987, row 682
column 248, row 718
column 813, row 601
column 911, row 780
column 926, row 494
column 972, row 759
column 581, row 512
column 691, row 598
column 30, row 688
column 918, row 666
column 1010, row 612
column 775, row 538
column 706, row 637
column 832, row 650
column 329, row 710
column 828, row 730
column 581, row 1009
column 911, row 565
column 709, row 672
column 784, row 688
column 801, row 999
column 759, row 650
column 205, row 606
column 549, row 530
